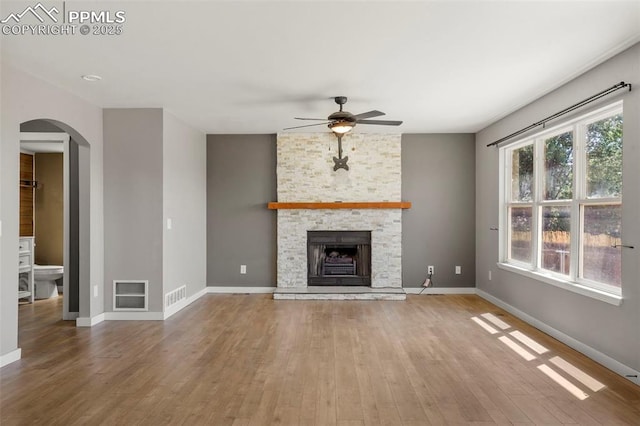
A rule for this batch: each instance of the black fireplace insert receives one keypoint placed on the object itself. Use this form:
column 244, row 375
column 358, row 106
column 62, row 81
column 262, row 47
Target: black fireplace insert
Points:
column 337, row 258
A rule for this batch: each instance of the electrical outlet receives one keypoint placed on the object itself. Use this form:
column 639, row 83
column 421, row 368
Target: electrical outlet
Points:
column 458, row 270
column 243, row 269
column 95, row 291
column 489, row 275
column 430, row 269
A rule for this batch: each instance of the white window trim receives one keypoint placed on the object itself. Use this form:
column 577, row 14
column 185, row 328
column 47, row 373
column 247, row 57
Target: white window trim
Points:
column 574, row 287
column 580, row 286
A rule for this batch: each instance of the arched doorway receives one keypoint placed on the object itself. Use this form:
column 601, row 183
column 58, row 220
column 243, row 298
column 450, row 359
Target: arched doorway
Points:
column 76, row 152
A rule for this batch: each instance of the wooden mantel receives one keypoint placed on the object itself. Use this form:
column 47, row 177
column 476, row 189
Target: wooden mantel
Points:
column 341, row 205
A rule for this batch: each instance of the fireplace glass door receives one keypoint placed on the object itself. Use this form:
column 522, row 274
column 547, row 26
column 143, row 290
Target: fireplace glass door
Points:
column 339, row 258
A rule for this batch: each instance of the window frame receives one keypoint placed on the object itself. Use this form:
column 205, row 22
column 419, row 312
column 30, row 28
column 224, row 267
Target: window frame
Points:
column 577, row 204
column 509, row 204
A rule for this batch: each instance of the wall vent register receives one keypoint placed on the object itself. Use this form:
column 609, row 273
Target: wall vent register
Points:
column 130, row 295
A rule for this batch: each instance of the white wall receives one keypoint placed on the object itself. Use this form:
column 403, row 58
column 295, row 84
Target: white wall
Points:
column 611, row 330
column 25, row 98
column 184, row 202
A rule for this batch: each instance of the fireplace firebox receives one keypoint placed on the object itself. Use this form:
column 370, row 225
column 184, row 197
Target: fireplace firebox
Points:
column 339, row 258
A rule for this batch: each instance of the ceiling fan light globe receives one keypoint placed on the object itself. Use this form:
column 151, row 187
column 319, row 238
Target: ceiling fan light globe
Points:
column 341, row 127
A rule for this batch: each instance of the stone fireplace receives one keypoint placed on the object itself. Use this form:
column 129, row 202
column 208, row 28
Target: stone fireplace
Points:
column 305, row 175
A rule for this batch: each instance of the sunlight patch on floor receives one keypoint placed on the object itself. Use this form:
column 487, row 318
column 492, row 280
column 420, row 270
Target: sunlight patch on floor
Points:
column 484, row 325
column 570, row 387
column 577, row 374
column 517, row 348
column 496, row 321
column 521, row 338
column 532, row 344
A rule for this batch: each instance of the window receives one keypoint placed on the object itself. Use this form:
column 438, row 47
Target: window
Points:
column 562, row 202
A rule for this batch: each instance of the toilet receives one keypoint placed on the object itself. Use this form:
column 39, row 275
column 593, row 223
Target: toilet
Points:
column 44, row 278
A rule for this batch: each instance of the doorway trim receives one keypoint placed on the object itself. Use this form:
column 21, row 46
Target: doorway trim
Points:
column 64, row 139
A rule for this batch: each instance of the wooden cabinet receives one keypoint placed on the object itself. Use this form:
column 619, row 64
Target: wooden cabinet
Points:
column 26, row 195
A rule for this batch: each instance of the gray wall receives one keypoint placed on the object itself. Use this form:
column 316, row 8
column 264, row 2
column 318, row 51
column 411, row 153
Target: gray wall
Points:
column 438, row 230
column 241, row 180
column 133, row 200
column 612, row 330
column 438, row 175
column 40, row 126
column 185, row 203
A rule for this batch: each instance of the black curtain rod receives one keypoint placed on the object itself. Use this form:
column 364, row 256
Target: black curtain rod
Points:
column 582, row 103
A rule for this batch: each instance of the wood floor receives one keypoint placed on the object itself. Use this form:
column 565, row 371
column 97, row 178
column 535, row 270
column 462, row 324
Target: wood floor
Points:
column 250, row 360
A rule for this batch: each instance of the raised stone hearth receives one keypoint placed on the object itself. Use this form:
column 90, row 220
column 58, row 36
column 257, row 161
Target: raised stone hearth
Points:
column 339, row 293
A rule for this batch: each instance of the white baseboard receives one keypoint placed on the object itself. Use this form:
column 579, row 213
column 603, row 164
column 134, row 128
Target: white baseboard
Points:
column 161, row 316
column 594, row 354
column 119, row 316
column 12, row 356
column 408, row 290
column 440, row 290
column 236, row 290
column 133, row 316
column 89, row 321
column 171, row 310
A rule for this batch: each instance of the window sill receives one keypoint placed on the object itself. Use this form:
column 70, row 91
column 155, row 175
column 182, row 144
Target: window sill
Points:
column 566, row 285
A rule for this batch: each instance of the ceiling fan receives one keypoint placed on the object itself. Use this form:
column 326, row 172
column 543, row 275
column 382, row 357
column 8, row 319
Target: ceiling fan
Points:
column 341, row 122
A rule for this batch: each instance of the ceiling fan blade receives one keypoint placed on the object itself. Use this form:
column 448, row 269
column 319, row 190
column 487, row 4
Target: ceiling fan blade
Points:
column 380, row 122
column 307, row 125
column 316, row 119
column 369, row 114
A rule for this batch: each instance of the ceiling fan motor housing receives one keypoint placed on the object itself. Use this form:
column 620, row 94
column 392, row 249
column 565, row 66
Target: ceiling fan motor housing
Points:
column 342, row 116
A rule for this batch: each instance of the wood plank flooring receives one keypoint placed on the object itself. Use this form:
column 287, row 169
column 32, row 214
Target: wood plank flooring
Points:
column 250, row 360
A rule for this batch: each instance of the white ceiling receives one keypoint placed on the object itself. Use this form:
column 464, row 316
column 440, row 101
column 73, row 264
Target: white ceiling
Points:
column 250, row 67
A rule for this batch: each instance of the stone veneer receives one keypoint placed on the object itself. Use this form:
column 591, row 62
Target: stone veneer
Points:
column 305, row 168
column 305, row 174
